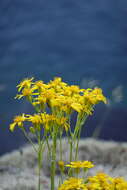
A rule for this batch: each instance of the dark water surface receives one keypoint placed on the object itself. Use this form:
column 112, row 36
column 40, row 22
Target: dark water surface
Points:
column 84, row 42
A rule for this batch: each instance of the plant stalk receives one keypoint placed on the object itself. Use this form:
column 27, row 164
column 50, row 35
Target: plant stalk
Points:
column 53, row 162
column 39, row 170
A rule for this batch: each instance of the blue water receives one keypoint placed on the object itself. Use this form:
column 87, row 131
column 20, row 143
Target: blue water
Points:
column 84, row 42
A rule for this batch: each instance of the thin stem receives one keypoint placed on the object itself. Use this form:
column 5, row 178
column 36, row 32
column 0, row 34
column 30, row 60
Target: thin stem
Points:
column 78, row 135
column 71, row 147
column 62, row 174
column 70, row 139
column 61, row 146
column 29, row 139
column 40, row 150
column 39, row 170
column 76, row 127
column 53, row 162
column 47, row 142
column 77, row 145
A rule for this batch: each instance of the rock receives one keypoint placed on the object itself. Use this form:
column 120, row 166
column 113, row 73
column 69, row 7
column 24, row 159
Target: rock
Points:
column 18, row 169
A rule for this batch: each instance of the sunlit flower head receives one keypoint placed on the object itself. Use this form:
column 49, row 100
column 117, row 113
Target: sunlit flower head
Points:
column 80, row 164
column 26, row 83
column 35, row 119
column 26, row 92
column 73, row 184
column 18, row 120
column 57, row 84
column 61, row 165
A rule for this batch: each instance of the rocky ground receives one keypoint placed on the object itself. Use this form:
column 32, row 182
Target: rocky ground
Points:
column 18, row 169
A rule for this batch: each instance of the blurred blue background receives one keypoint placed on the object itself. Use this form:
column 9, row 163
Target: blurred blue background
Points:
column 84, row 42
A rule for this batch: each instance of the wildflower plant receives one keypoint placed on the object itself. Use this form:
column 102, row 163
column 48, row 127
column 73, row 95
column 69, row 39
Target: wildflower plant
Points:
column 61, row 100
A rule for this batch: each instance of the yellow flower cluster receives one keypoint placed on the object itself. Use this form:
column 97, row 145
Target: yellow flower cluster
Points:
column 119, row 184
column 99, row 182
column 18, row 120
column 54, row 102
column 103, row 181
column 59, row 96
column 44, row 119
column 73, row 184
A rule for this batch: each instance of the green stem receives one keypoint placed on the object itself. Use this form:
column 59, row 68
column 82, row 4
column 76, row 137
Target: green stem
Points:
column 39, row 170
column 78, row 135
column 70, row 139
column 77, row 127
column 40, row 150
column 26, row 135
column 71, row 147
column 77, row 145
column 53, row 162
column 61, row 146
column 47, row 142
column 61, row 156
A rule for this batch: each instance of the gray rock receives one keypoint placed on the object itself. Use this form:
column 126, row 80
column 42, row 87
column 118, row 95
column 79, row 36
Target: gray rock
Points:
column 18, row 169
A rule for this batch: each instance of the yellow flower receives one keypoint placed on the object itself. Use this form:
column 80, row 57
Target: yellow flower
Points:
column 77, row 107
column 55, row 102
column 46, row 95
column 71, row 90
column 39, row 85
column 74, row 89
column 35, row 119
column 62, row 121
column 27, row 92
column 57, row 85
column 94, row 186
column 18, row 120
column 61, row 165
column 80, row 164
column 101, row 181
column 26, row 83
column 95, row 96
column 48, row 120
column 57, row 82
column 61, row 103
column 73, row 184
column 40, row 100
column 66, row 109
column 120, row 183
